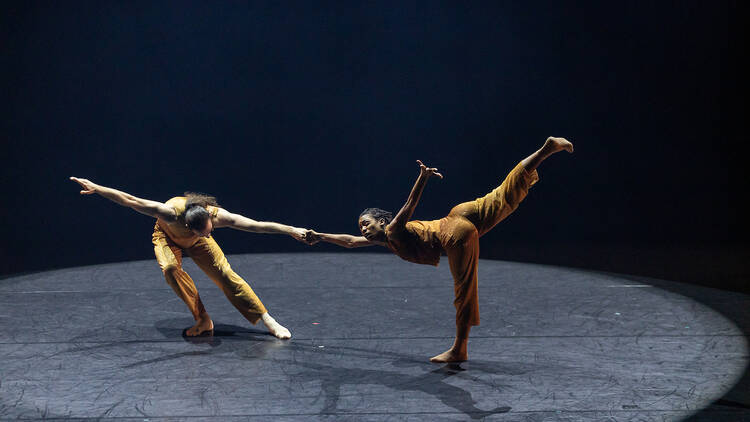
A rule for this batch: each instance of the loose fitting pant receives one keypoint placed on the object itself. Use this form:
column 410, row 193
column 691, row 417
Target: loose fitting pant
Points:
column 465, row 224
column 208, row 256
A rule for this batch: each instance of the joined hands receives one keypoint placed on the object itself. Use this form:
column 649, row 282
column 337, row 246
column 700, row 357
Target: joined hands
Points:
column 307, row 236
column 312, row 237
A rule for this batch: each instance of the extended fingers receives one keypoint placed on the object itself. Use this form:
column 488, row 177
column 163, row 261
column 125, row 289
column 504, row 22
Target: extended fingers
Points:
column 434, row 171
column 427, row 169
column 87, row 190
column 85, row 184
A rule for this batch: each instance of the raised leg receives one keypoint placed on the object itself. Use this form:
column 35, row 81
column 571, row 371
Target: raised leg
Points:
column 551, row 145
column 487, row 211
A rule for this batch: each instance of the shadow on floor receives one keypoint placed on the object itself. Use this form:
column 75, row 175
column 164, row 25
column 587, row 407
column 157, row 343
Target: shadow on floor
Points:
column 430, row 380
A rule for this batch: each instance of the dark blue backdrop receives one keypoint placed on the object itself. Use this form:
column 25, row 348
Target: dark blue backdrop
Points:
column 307, row 112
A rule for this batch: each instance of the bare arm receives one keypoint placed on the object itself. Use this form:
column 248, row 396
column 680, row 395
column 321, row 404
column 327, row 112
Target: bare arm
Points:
column 143, row 206
column 416, row 192
column 343, row 240
column 225, row 218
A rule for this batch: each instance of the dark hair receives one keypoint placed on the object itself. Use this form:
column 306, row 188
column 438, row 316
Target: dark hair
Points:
column 196, row 213
column 377, row 214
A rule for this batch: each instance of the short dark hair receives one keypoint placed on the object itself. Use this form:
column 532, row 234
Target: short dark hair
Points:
column 196, row 213
column 196, row 217
column 377, row 214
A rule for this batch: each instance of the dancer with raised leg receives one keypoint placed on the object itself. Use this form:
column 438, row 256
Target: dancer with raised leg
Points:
column 457, row 234
column 185, row 223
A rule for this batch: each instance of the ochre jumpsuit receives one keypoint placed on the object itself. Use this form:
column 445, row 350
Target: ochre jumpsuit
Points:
column 171, row 238
column 458, row 235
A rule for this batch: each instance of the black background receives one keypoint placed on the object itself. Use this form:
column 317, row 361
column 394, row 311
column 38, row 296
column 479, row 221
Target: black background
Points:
column 306, row 113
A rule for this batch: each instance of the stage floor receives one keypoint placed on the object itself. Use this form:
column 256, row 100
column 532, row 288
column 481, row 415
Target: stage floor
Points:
column 555, row 343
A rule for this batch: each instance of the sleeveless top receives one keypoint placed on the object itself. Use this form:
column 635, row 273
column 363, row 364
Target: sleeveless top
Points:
column 418, row 242
column 177, row 230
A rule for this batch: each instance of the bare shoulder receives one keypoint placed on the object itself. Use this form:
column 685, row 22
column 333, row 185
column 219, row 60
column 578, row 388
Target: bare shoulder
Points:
column 221, row 217
column 167, row 213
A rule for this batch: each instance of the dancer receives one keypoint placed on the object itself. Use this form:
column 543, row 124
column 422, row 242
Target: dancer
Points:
column 457, row 234
column 185, row 223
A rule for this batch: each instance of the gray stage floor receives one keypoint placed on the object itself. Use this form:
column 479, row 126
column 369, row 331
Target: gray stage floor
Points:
column 105, row 342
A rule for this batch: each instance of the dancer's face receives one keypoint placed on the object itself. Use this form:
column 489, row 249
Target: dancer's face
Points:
column 206, row 230
column 372, row 228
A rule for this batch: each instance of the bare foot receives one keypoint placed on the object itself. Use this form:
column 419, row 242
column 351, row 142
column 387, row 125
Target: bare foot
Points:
column 275, row 328
column 450, row 355
column 558, row 144
column 201, row 326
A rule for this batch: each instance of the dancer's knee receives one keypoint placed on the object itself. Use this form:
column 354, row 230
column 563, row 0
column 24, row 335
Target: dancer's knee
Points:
column 170, row 272
column 227, row 275
column 230, row 281
column 466, row 210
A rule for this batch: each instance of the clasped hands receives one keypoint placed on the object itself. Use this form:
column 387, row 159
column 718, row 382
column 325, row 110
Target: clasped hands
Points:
column 312, row 237
column 307, row 236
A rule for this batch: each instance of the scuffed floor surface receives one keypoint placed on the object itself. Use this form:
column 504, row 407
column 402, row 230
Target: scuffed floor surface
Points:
column 555, row 344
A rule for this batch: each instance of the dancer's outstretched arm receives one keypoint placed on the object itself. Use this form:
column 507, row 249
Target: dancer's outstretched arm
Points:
column 225, row 218
column 403, row 216
column 159, row 210
column 343, row 240
column 144, row 206
column 349, row 241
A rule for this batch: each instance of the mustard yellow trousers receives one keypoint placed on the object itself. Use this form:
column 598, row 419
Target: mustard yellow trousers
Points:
column 461, row 229
column 208, row 256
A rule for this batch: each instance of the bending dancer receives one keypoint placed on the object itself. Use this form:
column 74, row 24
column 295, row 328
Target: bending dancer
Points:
column 186, row 223
column 457, row 234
